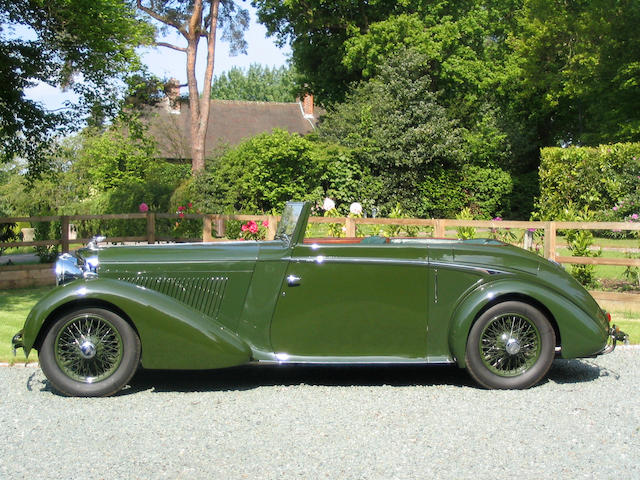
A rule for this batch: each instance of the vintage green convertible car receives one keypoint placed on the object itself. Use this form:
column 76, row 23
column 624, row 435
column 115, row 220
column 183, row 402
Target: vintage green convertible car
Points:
column 499, row 311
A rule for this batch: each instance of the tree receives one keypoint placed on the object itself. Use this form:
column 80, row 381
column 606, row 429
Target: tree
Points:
column 257, row 84
column 317, row 31
column 577, row 70
column 398, row 129
column 85, row 46
column 195, row 20
column 464, row 43
column 261, row 174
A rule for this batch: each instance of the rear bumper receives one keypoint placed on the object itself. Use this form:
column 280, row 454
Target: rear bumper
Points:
column 615, row 335
column 16, row 342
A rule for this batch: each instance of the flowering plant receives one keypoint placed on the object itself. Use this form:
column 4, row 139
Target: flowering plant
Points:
column 505, row 235
column 328, row 204
column 355, row 209
column 254, row 231
column 330, row 210
column 187, row 227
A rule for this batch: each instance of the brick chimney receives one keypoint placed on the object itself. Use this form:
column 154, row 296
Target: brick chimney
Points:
column 307, row 105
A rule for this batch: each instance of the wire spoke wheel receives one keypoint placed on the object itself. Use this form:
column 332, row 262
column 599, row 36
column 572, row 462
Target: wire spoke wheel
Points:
column 90, row 352
column 510, row 344
column 88, row 348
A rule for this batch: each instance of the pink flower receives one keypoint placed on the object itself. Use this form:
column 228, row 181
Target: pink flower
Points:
column 180, row 208
column 244, row 227
column 497, row 219
column 265, row 224
column 189, row 204
column 181, row 215
column 634, row 216
column 253, row 227
column 615, row 209
column 144, row 207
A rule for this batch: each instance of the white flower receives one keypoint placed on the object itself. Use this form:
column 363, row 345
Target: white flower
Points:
column 328, row 204
column 355, row 208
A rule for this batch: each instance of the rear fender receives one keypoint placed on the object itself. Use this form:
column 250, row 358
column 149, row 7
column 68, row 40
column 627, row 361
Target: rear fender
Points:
column 173, row 336
column 580, row 334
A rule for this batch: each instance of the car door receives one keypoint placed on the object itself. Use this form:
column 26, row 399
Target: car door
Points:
column 352, row 301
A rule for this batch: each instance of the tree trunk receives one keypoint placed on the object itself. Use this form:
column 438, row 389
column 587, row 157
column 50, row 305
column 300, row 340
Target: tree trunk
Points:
column 199, row 105
column 193, row 31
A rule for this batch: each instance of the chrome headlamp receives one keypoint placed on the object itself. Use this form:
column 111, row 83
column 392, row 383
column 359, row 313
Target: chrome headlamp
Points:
column 68, row 269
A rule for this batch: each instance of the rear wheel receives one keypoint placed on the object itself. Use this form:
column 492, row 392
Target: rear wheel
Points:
column 511, row 346
column 90, row 352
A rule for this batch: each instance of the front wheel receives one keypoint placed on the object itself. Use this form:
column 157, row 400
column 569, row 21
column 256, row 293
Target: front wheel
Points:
column 510, row 346
column 90, row 352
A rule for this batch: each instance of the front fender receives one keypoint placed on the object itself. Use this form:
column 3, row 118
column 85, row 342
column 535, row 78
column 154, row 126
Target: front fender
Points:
column 173, row 336
column 581, row 335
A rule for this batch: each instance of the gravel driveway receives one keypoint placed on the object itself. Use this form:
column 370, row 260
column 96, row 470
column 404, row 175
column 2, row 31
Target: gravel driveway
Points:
column 334, row 423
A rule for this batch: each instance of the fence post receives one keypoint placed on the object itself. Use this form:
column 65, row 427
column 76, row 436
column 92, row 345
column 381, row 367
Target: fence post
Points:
column 350, row 225
column 151, row 227
column 221, row 226
column 64, row 240
column 438, row 229
column 550, row 240
column 272, row 227
column 206, row 228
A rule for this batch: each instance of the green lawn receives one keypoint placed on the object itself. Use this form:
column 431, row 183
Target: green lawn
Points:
column 629, row 323
column 15, row 305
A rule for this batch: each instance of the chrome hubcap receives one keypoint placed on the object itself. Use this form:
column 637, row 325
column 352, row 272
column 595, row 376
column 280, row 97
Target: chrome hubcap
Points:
column 512, row 346
column 87, row 350
column 509, row 344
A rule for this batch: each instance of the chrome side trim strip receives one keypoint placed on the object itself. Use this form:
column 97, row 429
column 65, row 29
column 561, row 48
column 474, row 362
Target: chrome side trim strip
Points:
column 279, row 359
column 394, row 261
column 375, row 261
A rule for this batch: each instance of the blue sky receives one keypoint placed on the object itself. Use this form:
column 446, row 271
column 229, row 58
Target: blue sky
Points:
column 167, row 63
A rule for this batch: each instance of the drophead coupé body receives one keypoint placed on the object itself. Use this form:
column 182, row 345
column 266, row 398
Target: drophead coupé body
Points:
column 501, row 312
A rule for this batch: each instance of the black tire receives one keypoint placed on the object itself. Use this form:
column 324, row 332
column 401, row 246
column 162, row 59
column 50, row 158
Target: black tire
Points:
column 91, row 352
column 510, row 346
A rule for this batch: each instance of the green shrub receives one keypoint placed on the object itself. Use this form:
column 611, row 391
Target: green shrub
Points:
column 465, row 233
column 483, row 190
column 264, row 172
column 579, row 243
column 594, row 178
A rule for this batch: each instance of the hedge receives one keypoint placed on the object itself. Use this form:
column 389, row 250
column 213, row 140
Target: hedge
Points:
column 603, row 179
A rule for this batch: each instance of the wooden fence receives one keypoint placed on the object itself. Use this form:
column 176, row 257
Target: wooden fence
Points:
column 214, row 226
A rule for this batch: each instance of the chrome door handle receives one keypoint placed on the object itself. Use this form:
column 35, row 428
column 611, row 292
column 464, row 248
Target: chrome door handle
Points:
column 293, row 281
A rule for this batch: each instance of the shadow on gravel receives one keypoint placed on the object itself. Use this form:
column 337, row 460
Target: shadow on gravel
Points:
column 250, row 377
column 577, row 371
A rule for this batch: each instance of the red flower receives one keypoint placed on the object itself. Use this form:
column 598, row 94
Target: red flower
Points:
column 181, row 215
column 265, row 224
column 244, row 227
column 189, row 204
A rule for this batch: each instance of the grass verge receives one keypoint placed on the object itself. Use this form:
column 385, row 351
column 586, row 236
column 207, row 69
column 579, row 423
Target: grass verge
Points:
column 14, row 307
